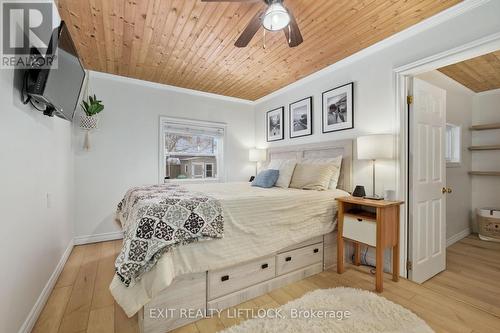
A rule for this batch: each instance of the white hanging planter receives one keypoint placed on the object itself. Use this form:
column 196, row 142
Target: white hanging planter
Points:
column 90, row 105
column 88, row 122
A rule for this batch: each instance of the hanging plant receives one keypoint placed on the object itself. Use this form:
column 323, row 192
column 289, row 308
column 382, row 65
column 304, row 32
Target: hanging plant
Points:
column 88, row 121
column 92, row 107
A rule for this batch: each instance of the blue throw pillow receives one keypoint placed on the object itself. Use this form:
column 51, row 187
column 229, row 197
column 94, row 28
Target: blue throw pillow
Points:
column 266, row 178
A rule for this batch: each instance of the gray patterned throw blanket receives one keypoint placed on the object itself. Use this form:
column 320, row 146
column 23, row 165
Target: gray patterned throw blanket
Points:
column 159, row 217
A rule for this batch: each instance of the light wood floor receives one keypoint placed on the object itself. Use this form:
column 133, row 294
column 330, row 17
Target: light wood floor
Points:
column 472, row 274
column 465, row 298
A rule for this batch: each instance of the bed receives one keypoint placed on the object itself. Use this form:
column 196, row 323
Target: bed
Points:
column 272, row 237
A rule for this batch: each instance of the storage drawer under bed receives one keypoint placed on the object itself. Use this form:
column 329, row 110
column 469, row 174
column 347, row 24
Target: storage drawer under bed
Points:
column 295, row 259
column 227, row 280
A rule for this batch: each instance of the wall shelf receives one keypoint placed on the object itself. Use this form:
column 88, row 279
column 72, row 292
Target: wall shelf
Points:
column 485, row 147
column 484, row 173
column 485, row 127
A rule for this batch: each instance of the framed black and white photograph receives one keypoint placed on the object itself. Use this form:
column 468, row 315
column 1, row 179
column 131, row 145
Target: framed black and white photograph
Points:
column 338, row 108
column 300, row 118
column 275, row 124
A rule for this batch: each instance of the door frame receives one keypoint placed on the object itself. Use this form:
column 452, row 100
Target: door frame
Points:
column 403, row 87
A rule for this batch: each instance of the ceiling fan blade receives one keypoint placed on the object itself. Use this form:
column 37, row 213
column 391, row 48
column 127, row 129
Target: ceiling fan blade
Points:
column 292, row 32
column 250, row 30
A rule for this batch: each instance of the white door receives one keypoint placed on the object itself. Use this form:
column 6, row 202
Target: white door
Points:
column 197, row 169
column 427, row 181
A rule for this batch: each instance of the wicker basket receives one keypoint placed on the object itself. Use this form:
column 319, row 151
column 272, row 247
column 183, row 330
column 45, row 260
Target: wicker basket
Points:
column 488, row 220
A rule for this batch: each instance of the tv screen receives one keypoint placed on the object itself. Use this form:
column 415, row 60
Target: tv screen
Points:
column 59, row 87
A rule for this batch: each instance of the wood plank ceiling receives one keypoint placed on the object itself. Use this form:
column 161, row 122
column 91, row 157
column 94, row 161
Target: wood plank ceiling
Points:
column 189, row 43
column 478, row 74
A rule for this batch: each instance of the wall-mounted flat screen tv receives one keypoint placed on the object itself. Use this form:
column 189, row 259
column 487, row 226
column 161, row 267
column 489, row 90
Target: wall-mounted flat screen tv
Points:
column 58, row 87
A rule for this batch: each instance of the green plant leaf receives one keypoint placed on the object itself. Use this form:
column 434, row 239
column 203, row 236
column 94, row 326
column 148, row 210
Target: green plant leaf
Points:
column 92, row 106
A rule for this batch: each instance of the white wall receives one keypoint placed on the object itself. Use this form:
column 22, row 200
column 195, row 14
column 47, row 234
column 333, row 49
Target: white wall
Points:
column 459, row 101
column 36, row 202
column 124, row 150
column 485, row 189
column 36, row 160
column 372, row 74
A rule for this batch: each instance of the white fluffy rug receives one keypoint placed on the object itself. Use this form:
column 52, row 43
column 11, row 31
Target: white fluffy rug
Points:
column 369, row 313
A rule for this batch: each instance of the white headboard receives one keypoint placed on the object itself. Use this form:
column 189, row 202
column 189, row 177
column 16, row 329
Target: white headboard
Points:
column 327, row 149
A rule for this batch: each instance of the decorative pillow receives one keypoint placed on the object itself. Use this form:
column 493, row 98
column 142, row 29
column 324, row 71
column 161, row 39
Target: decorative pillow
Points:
column 266, row 178
column 285, row 168
column 336, row 161
column 312, row 176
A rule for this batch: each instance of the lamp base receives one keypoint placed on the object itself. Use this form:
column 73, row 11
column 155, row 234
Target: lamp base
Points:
column 374, row 197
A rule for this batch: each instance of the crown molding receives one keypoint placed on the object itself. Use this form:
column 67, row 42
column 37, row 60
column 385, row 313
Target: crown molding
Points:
column 426, row 24
column 167, row 87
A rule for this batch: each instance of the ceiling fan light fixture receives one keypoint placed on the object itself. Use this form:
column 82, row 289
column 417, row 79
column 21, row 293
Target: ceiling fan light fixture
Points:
column 276, row 17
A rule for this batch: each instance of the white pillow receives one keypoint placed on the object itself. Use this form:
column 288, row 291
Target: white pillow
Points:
column 285, row 168
column 274, row 164
column 336, row 161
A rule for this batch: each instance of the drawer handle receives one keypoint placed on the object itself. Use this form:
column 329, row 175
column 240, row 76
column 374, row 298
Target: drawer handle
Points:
column 264, row 266
column 316, row 250
column 224, row 278
column 288, row 259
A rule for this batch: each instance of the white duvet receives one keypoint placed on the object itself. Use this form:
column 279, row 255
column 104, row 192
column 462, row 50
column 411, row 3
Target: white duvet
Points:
column 257, row 222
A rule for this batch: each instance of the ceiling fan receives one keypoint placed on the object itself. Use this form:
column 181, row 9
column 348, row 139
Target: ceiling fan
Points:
column 274, row 17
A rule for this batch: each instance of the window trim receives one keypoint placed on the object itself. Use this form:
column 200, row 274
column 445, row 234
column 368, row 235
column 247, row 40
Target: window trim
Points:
column 221, row 170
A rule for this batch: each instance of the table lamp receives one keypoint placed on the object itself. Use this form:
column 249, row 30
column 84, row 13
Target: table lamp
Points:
column 257, row 155
column 375, row 147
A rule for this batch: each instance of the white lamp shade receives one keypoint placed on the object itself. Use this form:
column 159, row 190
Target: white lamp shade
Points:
column 376, row 147
column 257, row 155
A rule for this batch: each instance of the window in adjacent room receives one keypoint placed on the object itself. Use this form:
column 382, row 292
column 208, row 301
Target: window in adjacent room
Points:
column 453, row 145
column 191, row 150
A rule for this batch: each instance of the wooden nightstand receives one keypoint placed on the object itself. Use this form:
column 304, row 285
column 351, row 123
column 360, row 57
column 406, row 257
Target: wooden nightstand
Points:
column 373, row 223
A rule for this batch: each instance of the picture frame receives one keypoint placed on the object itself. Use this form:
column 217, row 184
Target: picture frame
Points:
column 338, row 108
column 275, row 129
column 300, row 118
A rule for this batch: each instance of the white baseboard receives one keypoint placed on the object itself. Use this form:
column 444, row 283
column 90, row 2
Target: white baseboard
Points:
column 455, row 238
column 47, row 290
column 79, row 240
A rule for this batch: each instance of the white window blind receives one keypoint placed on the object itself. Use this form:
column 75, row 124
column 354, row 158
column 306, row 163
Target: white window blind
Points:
column 179, row 128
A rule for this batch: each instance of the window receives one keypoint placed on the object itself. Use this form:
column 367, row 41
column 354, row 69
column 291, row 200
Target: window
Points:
column 191, row 150
column 209, row 170
column 453, row 144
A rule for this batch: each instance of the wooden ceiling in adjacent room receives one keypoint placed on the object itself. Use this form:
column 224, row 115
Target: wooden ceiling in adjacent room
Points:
column 478, row 74
column 189, row 43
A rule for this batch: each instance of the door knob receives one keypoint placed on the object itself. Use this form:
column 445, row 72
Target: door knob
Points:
column 449, row 190
column 444, row 190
